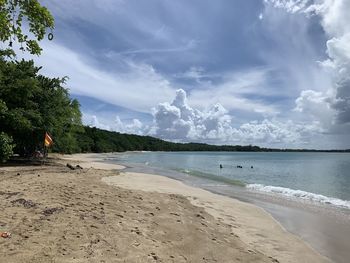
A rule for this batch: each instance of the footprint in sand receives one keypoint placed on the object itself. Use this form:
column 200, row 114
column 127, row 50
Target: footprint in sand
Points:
column 153, row 256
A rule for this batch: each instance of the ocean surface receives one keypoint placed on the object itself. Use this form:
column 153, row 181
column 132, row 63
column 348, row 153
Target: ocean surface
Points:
column 320, row 178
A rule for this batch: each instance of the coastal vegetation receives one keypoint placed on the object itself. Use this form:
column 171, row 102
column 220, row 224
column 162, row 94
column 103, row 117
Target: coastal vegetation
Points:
column 32, row 104
column 97, row 140
column 24, row 95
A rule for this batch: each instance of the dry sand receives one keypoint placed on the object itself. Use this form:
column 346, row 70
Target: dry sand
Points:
column 92, row 215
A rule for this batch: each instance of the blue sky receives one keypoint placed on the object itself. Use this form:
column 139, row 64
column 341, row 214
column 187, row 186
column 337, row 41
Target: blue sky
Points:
column 269, row 73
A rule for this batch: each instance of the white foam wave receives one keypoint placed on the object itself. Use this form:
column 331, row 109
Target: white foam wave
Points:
column 291, row 193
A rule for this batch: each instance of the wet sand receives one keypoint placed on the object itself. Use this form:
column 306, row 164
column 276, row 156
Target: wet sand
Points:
column 326, row 231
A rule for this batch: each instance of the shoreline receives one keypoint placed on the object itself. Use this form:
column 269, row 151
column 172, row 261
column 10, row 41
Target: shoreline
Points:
column 325, row 228
column 103, row 213
column 256, row 226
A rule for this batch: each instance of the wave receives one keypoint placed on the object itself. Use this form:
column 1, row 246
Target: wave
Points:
column 211, row 177
column 299, row 194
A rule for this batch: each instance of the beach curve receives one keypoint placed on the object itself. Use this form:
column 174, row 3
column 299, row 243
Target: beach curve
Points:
column 254, row 226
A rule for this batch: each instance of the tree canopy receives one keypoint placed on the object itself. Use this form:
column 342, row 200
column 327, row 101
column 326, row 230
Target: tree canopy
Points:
column 25, row 22
column 32, row 104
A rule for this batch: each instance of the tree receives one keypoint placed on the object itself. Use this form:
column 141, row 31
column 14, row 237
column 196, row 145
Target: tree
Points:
column 14, row 14
column 32, row 104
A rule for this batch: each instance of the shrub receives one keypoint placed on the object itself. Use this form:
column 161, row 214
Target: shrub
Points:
column 6, row 147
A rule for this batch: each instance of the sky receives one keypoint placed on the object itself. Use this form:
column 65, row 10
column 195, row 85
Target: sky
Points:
column 273, row 73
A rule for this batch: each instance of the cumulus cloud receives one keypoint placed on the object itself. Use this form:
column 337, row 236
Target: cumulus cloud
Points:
column 316, row 105
column 276, row 132
column 132, row 127
column 94, row 122
column 335, row 20
column 178, row 121
column 339, row 52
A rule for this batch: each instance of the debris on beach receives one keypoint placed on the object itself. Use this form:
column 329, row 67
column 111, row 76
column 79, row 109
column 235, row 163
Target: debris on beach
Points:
column 50, row 211
column 24, row 202
column 70, row 166
column 5, row 234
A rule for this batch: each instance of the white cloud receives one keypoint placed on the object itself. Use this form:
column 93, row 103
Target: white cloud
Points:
column 317, row 105
column 93, row 121
column 234, row 89
column 294, row 50
column 194, row 73
column 291, row 6
column 133, row 127
column 270, row 132
column 184, row 47
column 138, row 87
column 178, row 121
column 335, row 20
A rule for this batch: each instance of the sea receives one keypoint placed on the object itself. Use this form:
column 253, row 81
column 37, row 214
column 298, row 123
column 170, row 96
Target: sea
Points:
column 308, row 193
column 316, row 177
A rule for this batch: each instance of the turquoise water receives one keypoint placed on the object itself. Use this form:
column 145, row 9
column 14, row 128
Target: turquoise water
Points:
column 317, row 177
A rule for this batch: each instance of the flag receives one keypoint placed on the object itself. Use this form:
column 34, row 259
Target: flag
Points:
column 48, row 140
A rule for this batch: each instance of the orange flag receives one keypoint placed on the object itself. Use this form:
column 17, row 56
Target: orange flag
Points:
column 48, row 140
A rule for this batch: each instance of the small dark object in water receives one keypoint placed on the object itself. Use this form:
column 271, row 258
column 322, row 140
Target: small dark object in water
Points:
column 251, row 167
column 18, row 174
column 239, row 166
column 78, row 166
column 70, row 166
column 220, row 166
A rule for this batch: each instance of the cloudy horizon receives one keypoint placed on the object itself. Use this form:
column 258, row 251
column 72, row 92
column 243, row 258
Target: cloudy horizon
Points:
column 273, row 73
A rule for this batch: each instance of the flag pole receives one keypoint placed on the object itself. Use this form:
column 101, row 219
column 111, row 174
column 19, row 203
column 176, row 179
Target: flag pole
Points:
column 43, row 163
column 45, row 149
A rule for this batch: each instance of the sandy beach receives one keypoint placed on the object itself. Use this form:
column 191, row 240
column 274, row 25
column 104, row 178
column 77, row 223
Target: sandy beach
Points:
column 102, row 214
